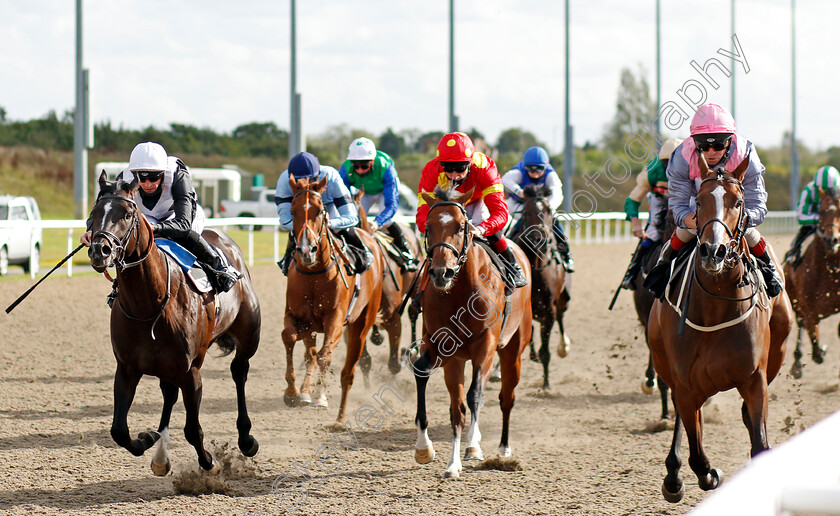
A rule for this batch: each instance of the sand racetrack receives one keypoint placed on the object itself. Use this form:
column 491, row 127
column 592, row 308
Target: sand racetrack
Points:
column 586, row 447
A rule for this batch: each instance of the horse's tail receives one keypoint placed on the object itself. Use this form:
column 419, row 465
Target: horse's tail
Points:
column 226, row 343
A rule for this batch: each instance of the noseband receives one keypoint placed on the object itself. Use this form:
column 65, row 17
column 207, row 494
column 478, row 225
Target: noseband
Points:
column 467, row 240
column 306, row 215
column 119, row 244
column 822, row 229
column 732, row 248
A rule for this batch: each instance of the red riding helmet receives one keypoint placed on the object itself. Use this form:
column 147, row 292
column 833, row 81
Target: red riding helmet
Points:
column 455, row 147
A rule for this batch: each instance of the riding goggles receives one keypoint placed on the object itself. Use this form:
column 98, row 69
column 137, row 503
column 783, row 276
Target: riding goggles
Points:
column 718, row 142
column 535, row 170
column 455, row 167
column 149, row 176
column 362, row 165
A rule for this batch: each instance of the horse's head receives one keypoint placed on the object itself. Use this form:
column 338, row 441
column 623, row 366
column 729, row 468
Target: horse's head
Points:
column 536, row 218
column 721, row 216
column 363, row 220
column 448, row 235
column 828, row 227
column 309, row 217
column 115, row 219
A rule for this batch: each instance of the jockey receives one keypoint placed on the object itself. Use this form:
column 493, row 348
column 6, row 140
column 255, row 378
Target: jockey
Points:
column 653, row 184
column 458, row 166
column 374, row 171
column 826, row 178
column 341, row 212
column 166, row 197
column 713, row 134
column 535, row 169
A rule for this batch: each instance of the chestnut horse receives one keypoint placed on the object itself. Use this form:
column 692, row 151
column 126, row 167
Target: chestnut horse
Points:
column 161, row 326
column 464, row 319
column 321, row 299
column 550, row 288
column 394, row 284
column 735, row 334
column 812, row 285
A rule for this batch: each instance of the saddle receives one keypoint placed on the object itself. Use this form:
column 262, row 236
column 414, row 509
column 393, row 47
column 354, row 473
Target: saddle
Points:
column 355, row 254
column 192, row 268
column 660, row 277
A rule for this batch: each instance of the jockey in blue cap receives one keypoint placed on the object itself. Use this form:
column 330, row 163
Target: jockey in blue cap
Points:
column 535, row 170
column 341, row 211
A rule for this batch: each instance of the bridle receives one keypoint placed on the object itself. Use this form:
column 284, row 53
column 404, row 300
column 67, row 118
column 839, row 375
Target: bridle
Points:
column 733, row 247
column 322, row 214
column 546, row 234
column 466, row 241
column 119, row 244
column 822, row 229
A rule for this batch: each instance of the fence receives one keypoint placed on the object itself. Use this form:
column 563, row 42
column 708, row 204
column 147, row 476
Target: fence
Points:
column 598, row 228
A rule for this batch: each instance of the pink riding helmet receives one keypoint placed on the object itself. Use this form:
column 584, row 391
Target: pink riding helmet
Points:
column 711, row 118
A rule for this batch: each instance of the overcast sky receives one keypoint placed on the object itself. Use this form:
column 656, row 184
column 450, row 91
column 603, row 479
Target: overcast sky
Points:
column 374, row 64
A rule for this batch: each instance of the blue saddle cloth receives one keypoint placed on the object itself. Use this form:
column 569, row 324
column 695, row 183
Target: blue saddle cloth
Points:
column 183, row 257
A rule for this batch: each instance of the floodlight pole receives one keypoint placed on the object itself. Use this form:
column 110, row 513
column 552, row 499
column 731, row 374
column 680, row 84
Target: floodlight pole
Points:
column 732, row 21
column 658, row 76
column 568, row 147
column 80, row 196
column 453, row 120
column 295, row 139
column 794, row 155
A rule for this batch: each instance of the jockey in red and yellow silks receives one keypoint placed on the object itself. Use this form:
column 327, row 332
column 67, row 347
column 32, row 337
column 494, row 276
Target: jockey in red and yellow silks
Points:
column 457, row 165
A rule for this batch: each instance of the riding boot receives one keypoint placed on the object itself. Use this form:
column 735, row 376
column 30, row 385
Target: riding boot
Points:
column 564, row 248
column 517, row 277
column 288, row 257
column 794, row 254
column 771, row 276
column 635, row 266
column 364, row 256
column 223, row 277
column 409, row 263
column 657, row 278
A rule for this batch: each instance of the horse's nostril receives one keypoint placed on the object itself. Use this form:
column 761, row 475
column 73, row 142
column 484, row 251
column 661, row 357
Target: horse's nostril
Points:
column 449, row 274
column 720, row 254
column 704, row 251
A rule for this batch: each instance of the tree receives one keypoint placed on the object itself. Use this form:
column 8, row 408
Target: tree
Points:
column 634, row 110
column 516, row 140
column 391, row 143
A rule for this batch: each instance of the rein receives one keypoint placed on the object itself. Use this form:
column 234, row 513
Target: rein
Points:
column 541, row 257
column 734, row 238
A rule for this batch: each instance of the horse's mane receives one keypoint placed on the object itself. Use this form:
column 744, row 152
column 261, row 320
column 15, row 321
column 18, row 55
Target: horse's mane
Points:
column 114, row 187
column 536, row 191
column 445, row 195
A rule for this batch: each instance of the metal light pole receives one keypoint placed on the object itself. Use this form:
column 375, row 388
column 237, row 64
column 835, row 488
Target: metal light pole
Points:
column 732, row 66
column 295, row 139
column 453, row 120
column 80, row 196
column 568, row 147
column 794, row 156
column 658, row 76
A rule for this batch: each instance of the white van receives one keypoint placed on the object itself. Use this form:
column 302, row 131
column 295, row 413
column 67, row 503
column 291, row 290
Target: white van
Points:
column 20, row 241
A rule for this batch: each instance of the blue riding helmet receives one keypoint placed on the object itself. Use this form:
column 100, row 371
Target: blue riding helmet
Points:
column 304, row 164
column 535, row 156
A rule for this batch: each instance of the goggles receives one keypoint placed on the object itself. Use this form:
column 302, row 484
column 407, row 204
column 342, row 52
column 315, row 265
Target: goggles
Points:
column 705, row 142
column 362, row 165
column 455, row 167
column 149, row 176
column 535, row 170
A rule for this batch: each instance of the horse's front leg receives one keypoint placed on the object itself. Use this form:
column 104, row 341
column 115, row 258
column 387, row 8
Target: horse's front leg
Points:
column 817, row 350
column 333, row 328
column 707, row 478
column 673, row 488
column 424, row 367
column 290, row 335
column 311, row 364
column 160, row 462
column 125, row 385
column 545, row 353
column 394, row 329
column 239, row 367
column 453, row 373
column 192, row 389
column 754, row 411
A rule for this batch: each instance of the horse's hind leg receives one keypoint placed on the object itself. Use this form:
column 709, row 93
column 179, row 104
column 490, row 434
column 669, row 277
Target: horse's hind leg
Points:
column 754, row 411
column 673, row 488
column 510, row 361
column 365, row 363
column 239, row 371
column 545, row 353
column 160, row 461
column 475, row 401
column 356, row 334
column 453, row 373
column 532, row 355
column 796, row 368
column 663, row 394
column 290, row 336
column 394, row 329
column 125, row 385
column 817, row 350
column 565, row 342
column 192, row 390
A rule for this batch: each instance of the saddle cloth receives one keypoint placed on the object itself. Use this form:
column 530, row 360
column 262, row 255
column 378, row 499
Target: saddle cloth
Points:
column 188, row 263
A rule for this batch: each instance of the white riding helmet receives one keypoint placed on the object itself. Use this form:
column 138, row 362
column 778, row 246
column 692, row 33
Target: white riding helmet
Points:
column 668, row 148
column 361, row 149
column 147, row 156
column 827, row 178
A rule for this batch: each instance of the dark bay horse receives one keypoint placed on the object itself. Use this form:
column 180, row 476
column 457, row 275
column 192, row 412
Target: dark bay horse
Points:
column 813, row 284
column 550, row 284
column 394, row 284
column 464, row 319
column 735, row 334
column 161, row 326
column 643, row 301
column 320, row 298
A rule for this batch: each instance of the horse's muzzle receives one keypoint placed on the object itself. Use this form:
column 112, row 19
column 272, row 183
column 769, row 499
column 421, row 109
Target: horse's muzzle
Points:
column 712, row 256
column 442, row 277
column 101, row 255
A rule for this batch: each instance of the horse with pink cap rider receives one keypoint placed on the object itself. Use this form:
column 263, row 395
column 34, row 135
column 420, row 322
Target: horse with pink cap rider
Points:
column 713, row 136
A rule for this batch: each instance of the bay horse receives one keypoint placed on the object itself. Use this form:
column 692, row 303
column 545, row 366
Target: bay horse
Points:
column 161, row 326
column 465, row 318
column 813, row 284
column 643, row 301
column 735, row 334
column 550, row 286
column 321, row 299
column 394, row 284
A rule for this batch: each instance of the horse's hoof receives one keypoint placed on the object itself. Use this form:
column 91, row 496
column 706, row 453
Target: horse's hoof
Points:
column 673, row 497
column 534, row 358
column 304, row 400
column 496, row 375
column 161, row 470
column 818, row 354
column 376, row 337
column 454, row 474
column 648, row 386
column 563, row 347
column 215, row 468
column 796, row 370
column 394, row 366
column 290, row 401
column 473, row 453
column 250, row 452
column 505, row 451
column 717, row 478
column 320, row 402
column 424, row 456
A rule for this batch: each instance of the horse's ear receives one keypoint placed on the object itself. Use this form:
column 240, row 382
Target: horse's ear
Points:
column 463, row 199
column 741, row 170
column 133, row 186
column 103, row 180
column 357, row 197
column 429, row 198
column 320, row 185
column 703, row 166
column 823, row 193
column 292, row 181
